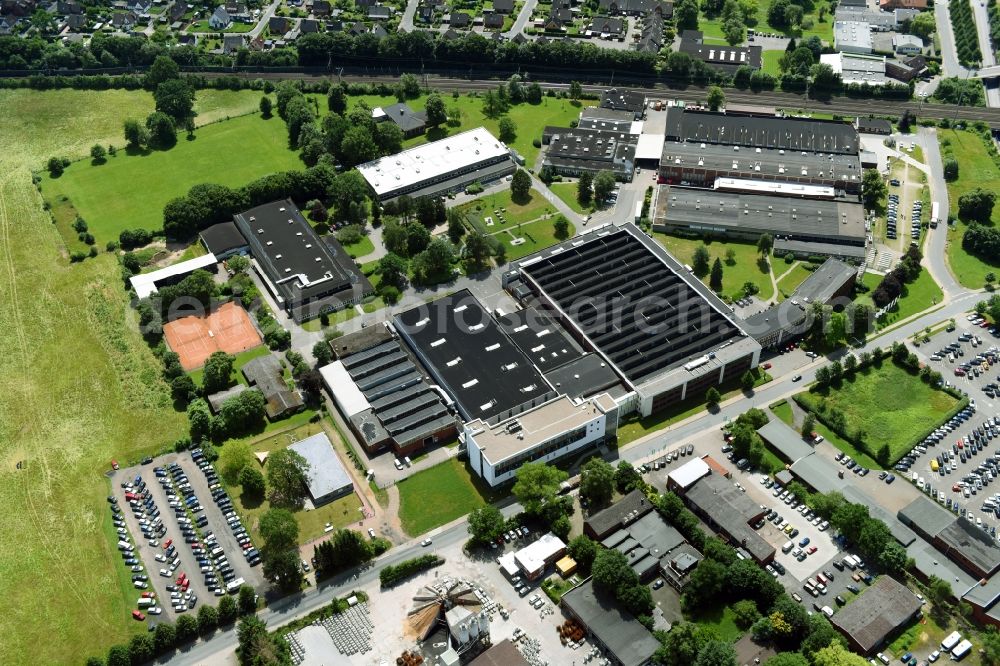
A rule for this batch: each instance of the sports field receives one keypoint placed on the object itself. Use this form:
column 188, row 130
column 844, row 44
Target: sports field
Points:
column 129, row 191
column 227, row 329
column 79, row 387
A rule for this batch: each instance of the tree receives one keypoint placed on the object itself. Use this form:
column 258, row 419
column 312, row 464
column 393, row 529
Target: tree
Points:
column 136, row 134
column 820, row 634
column 357, row 146
column 435, row 111
column 808, row 425
column 175, row 97
column 486, row 524
column 478, row 250
column 706, row 583
column 265, row 106
column 583, row 550
column 98, row 154
column 118, row 655
column 208, row 619
column 990, row 654
column 164, row 637
column 604, row 185
column 418, row 237
column 735, row 31
column 716, row 98
column 537, row 485
column 745, row 613
column 873, row 189
column 922, row 25
column 682, row 644
column 977, row 205
column 533, row 94
column 243, row 412
column 700, row 260
column 686, row 15
column 626, row 477
column 787, row 659
column 715, row 278
column 712, row 396
column 392, row 268
column 255, row 645
column 507, row 129
column 227, row 611
column 234, row 458
column 410, row 85
column 747, row 381
column 434, row 263
column 284, row 568
column 716, row 653
column 246, row 600
column 389, row 138
column 238, row 264
column 561, row 227
column 217, row 371
column 776, row 13
column 163, row 69
column 336, row 99
column 837, row 655
column 286, row 475
column 141, row 648
column 520, row 186
column 575, row 90
column 583, row 188
column 183, row 389
column 893, row 559
column 597, row 482
column 252, row 481
column 186, row 627
column 611, row 571
column 456, row 227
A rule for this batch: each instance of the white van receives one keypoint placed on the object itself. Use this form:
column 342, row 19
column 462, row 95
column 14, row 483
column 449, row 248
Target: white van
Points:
column 125, row 545
column 787, row 548
column 849, row 563
column 146, row 603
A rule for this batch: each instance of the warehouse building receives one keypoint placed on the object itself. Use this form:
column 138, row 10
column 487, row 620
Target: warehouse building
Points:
column 736, row 214
column 622, row 639
column 727, row 509
column 609, row 120
column 632, row 101
column 571, row 152
column 878, row 20
column 620, row 294
column 605, row 522
column 326, row 479
column 876, row 615
column 958, row 539
column 224, row 240
column 852, row 37
column 764, row 131
column 857, row 69
column 720, row 57
column 304, row 273
column 439, row 167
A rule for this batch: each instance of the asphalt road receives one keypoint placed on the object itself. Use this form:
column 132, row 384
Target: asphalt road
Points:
column 935, row 247
column 949, row 56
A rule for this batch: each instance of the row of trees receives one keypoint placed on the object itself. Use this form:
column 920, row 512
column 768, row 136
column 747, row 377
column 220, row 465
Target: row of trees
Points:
column 894, row 282
column 346, row 549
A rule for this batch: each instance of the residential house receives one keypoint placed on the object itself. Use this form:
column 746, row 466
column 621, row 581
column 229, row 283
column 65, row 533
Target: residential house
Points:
column 561, row 17
column 335, row 26
column 140, row 7
column 17, row 7
column 888, row 5
column 176, row 11
column 459, row 20
column 450, row 34
column 321, row 8
column 265, row 374
column 651, row 36
column 425, row 14
column 8, row 25
column 124, row 21
column 503, row 6
column 363, row 5
column 67, row 7
column 380, row 12
column 636, row 7
column 608, row 28
column 278, row 25
column 357, row 28
column 189, row 39
column 220, row 19
column 493, row 21
column 76, row 21
column 519, row 38
column 378, row 31
column 232, row 43
column 309, row 25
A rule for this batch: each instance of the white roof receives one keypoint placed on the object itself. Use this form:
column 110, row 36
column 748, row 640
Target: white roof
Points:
column 326, row 473
column 345, row 392
column 636, row 127
column 912, row 40
column 432, row 160
column 770, row 187
column 145, row 284
column 650, row 147
column 689, row 472
column 508, row 564
column 532, row 557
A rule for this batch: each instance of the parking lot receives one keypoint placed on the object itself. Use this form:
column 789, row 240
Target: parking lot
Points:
column 166, row 550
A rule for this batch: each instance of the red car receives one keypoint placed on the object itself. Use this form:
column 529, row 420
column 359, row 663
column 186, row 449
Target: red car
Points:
column 812, row 549
column 767, row 366
column 167, row 543
column 149, row 595
column 136, row 615
column 114, row 464
column 132, row 497
column 961, row 444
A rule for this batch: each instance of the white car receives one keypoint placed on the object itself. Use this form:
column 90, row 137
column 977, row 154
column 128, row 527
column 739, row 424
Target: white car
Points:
column 155, row 610
column 933, row 656
column 371, row 533
column 425, row 543
column 160, row 557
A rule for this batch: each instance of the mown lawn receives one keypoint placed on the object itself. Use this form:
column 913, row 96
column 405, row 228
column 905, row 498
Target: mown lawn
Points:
column 712, row 27
column 892, row 406
column 537, row 236
column 500, row 203
column 241, row 359
column 976, row 169
column 919, row 295
column 567, row 192
column 771, row 65
column 790, row 279
column 361, row 248
column 748, row 266
column 720, row 620
column 436, row 496
column 129, row 191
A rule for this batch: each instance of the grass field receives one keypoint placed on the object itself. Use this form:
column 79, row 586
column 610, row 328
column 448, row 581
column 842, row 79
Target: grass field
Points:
column 783, row 410
column 241, row 359
column 361, row 248
column 100, row 196
column 746, row 269
column 567, row 192
column 721, row 620
column 921, row 294
column 713, row 27
column 487, row 206
column 790, row 279
column 79, row 388
column 436, row 496
column 771, row 59
column 976, row 169
column 537, row 236
column 892, row 406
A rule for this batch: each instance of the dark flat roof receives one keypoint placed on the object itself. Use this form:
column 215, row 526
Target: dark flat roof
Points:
column 825, row 281
column 763, row 131
column 584, row 376
column 973, row 544
column 811, row 247
column 630, row 642
column 785, row 439
column 634, row 306
column 471, row 356
column 223, row 237
column 927, row 516
column 623, row 100
column 877, row 612
column 761, row 162
column 607, row 520
column 539, row 338
column 732, row 510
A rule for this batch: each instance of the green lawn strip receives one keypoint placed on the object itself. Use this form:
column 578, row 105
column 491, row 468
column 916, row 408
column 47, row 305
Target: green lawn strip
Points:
column 783, row 410
column 567, row 192
column 919, row 295
column 720, row 620
column 746, row 269
column 193, row 251
column 241, row 359
column 537, row 236
column 771, row 66
column 633, row 429
column 500, row 203
column 790, row 281
column 336, row 318
column 435, row 496
column 130, row 191
column 361, row 248
column 977, row 169
column 891, row 405
column 203, row 26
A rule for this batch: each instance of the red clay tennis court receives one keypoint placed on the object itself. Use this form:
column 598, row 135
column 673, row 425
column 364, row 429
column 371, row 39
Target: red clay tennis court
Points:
column 228, row 329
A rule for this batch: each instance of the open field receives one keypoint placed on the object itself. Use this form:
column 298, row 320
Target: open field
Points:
column 436, row 496
column 487, row 206
column 567, row 192
column 783, row 410
column 100, row 196
column 790, row 278
column 892, row 406
column 537, row 236
column 79, row 388
column 721, row 620
column 712, row 27
column 919, row 295
column 747, row 267
column 976, row 169
column 771, row 65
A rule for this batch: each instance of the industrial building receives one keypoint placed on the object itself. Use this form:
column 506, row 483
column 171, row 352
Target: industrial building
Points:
column 532, row 560
column 726, row 509
column 305, row 274
column 960, row 540
column 878, row 20
column 790, row 318
column 609, row 120
column 762, row 131
column 794, row 213
column 439, row 167
column 620, row 294
column 224, row 240
column 876, row 615
column 632, row 101
column 571, row 152
column 326, row 478
column 602, row 524
column 622, row 639
column 857, row 69
column 382, row 394
column 852, row 36
column 720, row 57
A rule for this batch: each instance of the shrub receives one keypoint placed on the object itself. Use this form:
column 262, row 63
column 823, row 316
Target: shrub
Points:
column 390, row 575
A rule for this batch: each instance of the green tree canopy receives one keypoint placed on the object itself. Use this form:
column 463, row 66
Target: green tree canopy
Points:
column 537, row 485
column 486, row 524
column 286, row 477
column 597, row 482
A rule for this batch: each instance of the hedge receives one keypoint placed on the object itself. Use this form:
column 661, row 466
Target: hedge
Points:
column 392, row 574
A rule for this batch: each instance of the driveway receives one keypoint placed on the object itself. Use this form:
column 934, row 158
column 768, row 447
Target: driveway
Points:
column 522, row 18
column 406, row 22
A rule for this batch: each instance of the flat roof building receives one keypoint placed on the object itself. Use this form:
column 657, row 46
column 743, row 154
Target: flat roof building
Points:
column 961, row 541
column 326, row 479
column 539, row 554
column 571, row 152
column 785, row 440
column 874, row 616
column 224, row 240
column 852, row 36
column 762, row 131
column 729, row 511
column 748, row 215
column 146, row 284
column 620, row 294
column 720, row 57
column 608, row 120
column 544, row 433
column 624, row 640
column 633, row 101
column 606, row 521
column 304, row 273
column 857, row 69
column 683, row 477
column 447, row 165
column 878, row 20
